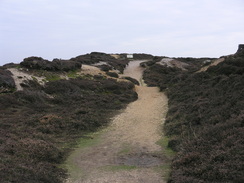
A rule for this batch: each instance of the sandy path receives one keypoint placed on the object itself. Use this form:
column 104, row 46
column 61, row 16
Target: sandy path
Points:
column 135, row 71
column 127, row 151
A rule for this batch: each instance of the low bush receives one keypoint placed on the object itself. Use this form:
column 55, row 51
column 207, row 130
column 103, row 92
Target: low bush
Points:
column 7, row 83
column 119, row 65
column 92, row 58
column 163, row 76
column 134, row 81
column 112, row 74
column 96, row 57
column 55, row 65
column 105, row 67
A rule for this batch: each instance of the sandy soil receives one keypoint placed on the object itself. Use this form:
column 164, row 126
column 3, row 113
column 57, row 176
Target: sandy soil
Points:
column 92, row 70
column 20, row 76
column 170, row 62
column 135, row 71
column 127, row 151
column 115, row 56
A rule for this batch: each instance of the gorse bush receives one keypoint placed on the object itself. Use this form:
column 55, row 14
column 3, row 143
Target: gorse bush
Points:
column 205, row 120
column 37, row 122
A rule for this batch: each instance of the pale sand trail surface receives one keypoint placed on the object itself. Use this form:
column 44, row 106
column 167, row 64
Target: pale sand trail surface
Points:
column 126, row 151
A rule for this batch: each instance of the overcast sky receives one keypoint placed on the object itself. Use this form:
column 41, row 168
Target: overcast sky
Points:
column 68, row 28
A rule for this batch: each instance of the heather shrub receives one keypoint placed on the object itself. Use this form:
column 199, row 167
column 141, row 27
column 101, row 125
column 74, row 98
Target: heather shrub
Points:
column 205, row 120
column 56, row 65
column 96, row 57
column 37, row 124
column 112, row 74
column 134, row 81
column 7, row 83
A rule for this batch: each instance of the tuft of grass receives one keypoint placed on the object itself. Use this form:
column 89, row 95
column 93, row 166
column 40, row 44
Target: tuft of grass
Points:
column 163, row 142
column 89, row 140
column 169, row 154
column 86, row 76
column 164, row 170
column 73, row 74
column 49, row 76
column 53, row 77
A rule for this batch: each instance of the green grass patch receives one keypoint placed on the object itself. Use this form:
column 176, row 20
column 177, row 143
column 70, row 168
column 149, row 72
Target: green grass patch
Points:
column 88, row 140
column 165, row 169
column 163, row 142
column 52, row 77
column 49, row 76
column 73, row 74
column 87, row 76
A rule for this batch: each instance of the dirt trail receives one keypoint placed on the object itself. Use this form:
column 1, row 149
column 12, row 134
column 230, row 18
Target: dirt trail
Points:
column 126, row 151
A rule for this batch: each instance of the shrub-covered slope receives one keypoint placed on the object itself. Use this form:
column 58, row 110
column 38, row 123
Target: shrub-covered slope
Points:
column 38, row 124
column 205, row 120
column 7, row 83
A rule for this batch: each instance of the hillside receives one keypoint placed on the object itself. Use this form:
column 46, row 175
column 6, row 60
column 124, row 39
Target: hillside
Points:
column 48, row 107
column 205, row 118
column 52, row 105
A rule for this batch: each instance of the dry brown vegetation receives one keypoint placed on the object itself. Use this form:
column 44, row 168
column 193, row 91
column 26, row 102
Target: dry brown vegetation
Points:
column 40, row 124
column 6, row 81
column 205, row 120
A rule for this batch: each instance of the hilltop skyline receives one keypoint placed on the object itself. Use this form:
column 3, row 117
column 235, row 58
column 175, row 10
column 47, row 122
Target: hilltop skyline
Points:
column 64, row 29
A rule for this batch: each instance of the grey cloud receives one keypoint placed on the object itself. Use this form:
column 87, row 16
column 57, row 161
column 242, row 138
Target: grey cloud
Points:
column 64, row 29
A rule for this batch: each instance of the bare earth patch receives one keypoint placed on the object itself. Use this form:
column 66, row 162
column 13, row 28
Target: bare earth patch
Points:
column 170, row 62
column 126, row 151
column 214, row 63
column 19, row 76
column 92, row 70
